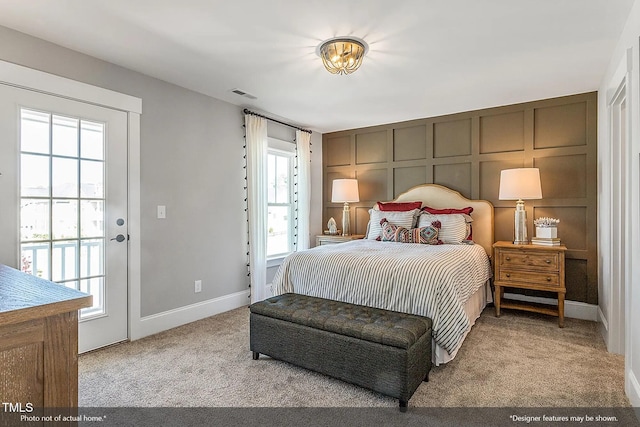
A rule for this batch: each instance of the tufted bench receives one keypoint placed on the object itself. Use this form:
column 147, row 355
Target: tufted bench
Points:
column 382, row 350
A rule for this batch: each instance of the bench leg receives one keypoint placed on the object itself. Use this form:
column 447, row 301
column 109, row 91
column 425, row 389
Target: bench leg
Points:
column 256, row 355
column 403, row 406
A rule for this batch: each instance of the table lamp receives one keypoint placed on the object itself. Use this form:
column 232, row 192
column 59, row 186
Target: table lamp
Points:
column 520, row 184
column 345, row 191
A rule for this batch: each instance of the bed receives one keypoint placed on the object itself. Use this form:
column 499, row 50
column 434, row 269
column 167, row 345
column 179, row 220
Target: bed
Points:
column 448, row 283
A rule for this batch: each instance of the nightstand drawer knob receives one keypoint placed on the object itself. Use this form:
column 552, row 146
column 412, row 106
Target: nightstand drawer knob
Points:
column 508, row 258
column 548, row 279
column 548, row 261
column 508, row 275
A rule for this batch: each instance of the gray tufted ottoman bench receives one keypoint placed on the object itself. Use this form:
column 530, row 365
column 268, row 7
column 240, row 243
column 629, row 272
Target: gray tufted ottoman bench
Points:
column 382, row 350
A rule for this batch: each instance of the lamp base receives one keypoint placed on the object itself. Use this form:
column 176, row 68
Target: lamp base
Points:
column 520, row 225
column 346, row 222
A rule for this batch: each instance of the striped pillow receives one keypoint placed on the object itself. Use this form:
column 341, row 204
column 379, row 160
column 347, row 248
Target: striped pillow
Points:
column 406, row 219
column 425, row 235
column 453, row 226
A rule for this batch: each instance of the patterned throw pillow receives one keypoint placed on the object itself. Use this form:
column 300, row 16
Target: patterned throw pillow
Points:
column 405, row 219
column 425, row 235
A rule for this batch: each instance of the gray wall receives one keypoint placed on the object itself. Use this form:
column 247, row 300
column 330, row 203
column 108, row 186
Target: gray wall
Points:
column 191, row 161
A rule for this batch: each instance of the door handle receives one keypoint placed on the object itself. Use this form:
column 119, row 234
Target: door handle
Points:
column 119, row 238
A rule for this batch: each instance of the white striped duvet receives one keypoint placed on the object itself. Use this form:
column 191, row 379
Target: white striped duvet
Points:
column 433, row 281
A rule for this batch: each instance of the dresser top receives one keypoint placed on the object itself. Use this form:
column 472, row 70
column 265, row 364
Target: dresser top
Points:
column 25, row 297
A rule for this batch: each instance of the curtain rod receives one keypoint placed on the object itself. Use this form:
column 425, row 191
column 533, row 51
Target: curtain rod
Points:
column 274, row 120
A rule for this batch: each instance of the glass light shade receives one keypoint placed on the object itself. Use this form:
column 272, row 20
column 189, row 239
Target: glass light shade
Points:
column 345, row 190
column 520, row 184
column 342, row 55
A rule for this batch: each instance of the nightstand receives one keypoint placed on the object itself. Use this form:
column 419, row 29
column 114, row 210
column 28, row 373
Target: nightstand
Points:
column 533, row 267
column 328, row 239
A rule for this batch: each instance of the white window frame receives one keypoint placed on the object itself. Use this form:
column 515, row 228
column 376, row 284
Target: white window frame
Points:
column 285, row 149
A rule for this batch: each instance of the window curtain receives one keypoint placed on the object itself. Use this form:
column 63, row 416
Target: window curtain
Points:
column 303, row 156
column 256, row 139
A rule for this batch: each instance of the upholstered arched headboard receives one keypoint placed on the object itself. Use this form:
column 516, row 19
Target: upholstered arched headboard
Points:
column 439, row 197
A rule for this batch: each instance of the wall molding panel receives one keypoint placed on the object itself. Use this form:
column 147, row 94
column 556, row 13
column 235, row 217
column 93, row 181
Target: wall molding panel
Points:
column 467, row 151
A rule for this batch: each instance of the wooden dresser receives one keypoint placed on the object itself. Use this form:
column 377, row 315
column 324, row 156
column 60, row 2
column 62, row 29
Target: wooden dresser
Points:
column 533, row 267
column 38, row 341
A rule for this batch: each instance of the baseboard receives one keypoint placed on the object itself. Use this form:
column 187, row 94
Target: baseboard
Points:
column 633, row 389
column 602, row 319
column 159, row 322
column 573, row 309
column 603, row 326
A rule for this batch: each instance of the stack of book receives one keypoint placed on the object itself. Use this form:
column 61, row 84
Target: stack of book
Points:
column 545, row 241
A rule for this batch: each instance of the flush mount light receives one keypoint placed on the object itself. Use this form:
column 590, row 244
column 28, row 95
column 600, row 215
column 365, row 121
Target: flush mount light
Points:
column 342, row 55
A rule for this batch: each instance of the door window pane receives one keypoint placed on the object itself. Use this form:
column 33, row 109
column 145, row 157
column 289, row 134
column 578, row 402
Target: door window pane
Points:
column 65, row 136
column 91, row 257
column 95, row 287
column 92, row 178
column 65, row 219
column 65, row 255
column 91, row 218
column 34, row 219
column 65, row 177
column 34, row 176
column 72, row 285
column 34, row 131
column 35, row 259
column 91, row 140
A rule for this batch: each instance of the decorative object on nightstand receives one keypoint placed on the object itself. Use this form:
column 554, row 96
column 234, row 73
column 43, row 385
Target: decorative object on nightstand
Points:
column 546, row 232
column 332, row 226
column 345, row 191
column 520, row 184
column 533, row 267
column 327, row 239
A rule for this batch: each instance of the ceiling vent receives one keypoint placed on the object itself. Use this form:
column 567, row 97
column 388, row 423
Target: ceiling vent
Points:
column 243, row 93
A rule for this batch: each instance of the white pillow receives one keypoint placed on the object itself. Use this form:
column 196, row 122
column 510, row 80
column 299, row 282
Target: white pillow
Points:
column 406, row 219
column 453, row 227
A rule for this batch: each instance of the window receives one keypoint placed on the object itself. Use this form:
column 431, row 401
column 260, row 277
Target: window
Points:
column 281, row 212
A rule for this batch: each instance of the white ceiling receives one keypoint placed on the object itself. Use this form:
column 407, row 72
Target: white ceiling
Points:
column 426, row 57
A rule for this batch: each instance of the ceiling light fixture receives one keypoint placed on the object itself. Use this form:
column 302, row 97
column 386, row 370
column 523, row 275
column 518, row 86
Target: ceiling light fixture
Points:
column 342, row 55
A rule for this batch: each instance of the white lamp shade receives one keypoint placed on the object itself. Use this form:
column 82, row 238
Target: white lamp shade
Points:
column 520, row 183
column 345, row 190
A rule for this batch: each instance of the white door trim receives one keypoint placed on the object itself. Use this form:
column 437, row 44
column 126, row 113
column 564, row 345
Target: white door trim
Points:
column 28, row 78
column 614, row 306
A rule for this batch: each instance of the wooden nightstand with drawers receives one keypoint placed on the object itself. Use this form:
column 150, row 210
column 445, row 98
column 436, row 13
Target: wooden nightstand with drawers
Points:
column 329, row 239
column 533, row 267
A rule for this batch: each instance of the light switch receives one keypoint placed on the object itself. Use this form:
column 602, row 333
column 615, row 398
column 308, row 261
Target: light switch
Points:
column 162, row 212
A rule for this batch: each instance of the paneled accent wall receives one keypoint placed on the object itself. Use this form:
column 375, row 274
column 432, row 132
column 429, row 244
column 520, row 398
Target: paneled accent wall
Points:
column 467, row 151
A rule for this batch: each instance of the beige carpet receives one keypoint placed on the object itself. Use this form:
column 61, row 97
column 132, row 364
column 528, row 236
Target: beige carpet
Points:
column 517, row 360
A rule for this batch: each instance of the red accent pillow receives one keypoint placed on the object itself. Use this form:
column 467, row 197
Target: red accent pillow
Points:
column 449, row 211
column 399, row 206
column 433, row 211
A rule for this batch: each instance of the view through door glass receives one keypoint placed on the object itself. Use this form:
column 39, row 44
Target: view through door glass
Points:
column 62, row 202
